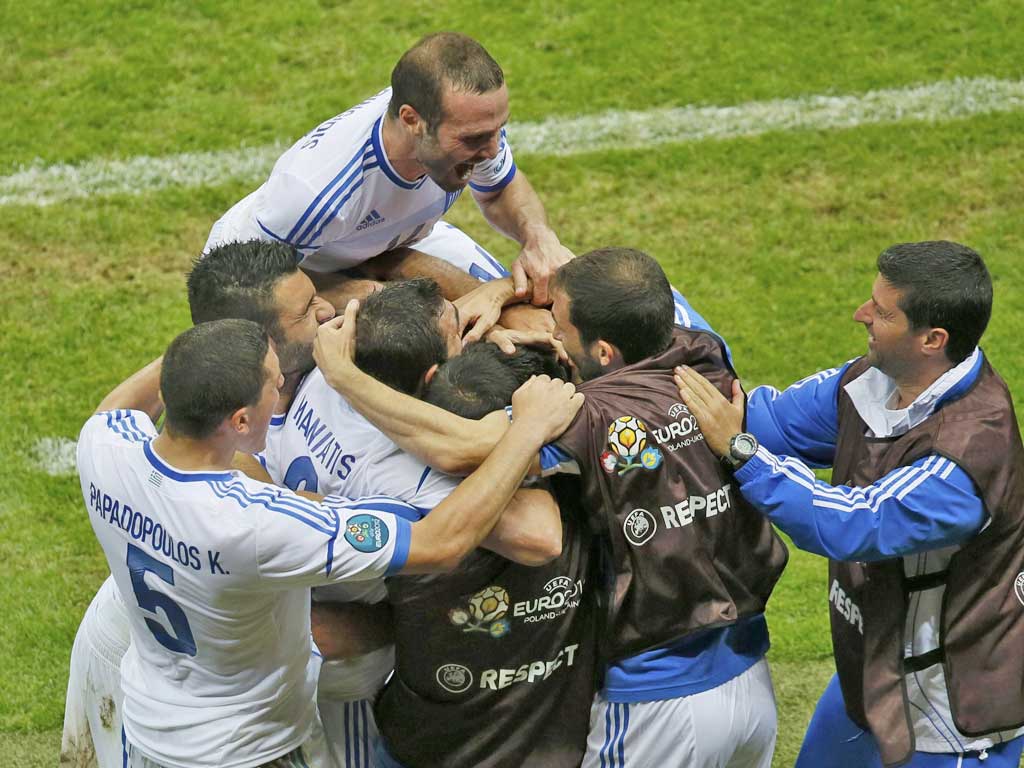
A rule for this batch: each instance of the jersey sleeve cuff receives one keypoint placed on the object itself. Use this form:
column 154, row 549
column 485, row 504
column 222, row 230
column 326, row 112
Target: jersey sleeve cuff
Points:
column 756, row 465
column 485, row 188
column 403, row 536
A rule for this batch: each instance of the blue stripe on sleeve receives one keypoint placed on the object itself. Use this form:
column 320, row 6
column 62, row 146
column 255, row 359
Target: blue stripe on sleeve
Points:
column 802, row 421
column 929, row 504
column 267, row 230
column 403, row 537
column 500, row 185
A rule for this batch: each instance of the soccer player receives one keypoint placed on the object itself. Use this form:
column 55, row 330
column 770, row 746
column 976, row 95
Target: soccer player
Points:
column 322, row 445
column 92, row 712
column 381, row 175
column 923, row 523
column 221, row 669
column 505, row 676
column 693, row 562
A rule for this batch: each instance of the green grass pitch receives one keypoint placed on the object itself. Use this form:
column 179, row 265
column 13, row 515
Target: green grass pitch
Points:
column 772, row 238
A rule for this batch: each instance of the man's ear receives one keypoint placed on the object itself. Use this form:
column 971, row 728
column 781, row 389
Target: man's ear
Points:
column 430, row 373
column 241, row 421
column 411, row 119
column 935, row 341
column 605, row 353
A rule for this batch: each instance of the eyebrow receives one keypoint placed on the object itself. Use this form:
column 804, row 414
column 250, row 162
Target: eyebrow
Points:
column 481, row 134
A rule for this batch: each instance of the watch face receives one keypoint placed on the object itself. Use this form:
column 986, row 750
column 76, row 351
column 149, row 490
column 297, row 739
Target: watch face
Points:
column 744, row 446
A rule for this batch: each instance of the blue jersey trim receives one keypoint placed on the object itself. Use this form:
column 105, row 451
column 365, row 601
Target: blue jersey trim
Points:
column 323, row 519
column 324, row 191
column 385, row 162
column 396, row 508
column 697, row 663
column 323, row 220
column 181, row 477
column 268, row 231
column 498, row 267
column 403, row 537
column 495, row 187
column 551, row 456
column 334, row 213
column 278, row 420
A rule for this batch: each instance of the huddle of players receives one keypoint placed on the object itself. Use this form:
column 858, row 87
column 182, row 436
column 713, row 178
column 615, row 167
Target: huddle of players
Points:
column 632, row 572
column 499, row 660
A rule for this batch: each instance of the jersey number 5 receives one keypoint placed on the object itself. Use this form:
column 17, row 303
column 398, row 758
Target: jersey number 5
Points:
column 149, row 600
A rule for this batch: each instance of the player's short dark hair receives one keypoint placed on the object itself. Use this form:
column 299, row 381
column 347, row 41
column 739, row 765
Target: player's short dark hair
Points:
column 622, row 296
column 398, row 336
column 209, row 372
column 483, row 378
column 438, row 60
column 237, row 280
column 943, row 285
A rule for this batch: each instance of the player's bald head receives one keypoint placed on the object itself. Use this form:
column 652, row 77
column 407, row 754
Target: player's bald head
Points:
column 441, row 61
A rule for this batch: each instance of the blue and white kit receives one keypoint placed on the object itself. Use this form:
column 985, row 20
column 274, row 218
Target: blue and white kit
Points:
column 215, row 569
column 715, row 676
column 335, row 196
column 323, row 445
column 922, row 512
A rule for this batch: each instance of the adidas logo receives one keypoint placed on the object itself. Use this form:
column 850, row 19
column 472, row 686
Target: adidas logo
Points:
column 372, row 219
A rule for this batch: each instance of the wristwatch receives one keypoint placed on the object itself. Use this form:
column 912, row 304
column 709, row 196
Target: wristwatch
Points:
column 742, row 448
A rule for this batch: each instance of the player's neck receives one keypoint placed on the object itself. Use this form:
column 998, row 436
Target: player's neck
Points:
column 400, row 150
column 214, row 454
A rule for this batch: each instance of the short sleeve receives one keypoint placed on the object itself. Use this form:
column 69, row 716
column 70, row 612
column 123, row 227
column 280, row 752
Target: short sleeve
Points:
column 306, row 542
column 497, row 173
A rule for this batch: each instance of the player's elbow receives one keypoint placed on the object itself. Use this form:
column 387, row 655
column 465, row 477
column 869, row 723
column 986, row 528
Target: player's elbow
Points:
column 534, row 550
column 454, row 461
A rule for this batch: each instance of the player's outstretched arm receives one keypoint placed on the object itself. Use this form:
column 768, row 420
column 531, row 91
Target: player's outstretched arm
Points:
column 518, row 213
column 407, row 263
column 542, row 408
column 139, row 392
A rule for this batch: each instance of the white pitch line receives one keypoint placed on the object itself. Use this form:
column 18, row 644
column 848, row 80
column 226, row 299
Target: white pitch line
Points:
column 55, row 455
column 40, row 185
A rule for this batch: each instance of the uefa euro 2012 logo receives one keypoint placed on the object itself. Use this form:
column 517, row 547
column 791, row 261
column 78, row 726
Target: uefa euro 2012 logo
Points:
column 484, row 612
column 628, row 448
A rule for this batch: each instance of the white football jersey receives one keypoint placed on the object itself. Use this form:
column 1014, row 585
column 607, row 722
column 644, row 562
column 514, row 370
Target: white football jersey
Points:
column 215, row 569
column 325, row 446
column 335, row 196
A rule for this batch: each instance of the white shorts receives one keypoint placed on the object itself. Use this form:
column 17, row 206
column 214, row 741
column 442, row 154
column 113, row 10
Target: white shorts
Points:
column 344, row 698
column 449, row 243
column 312, row 753
column 731, row 726
column 92, row 736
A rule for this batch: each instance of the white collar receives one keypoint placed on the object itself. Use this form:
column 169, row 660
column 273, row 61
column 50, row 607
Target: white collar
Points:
column 873, row 391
